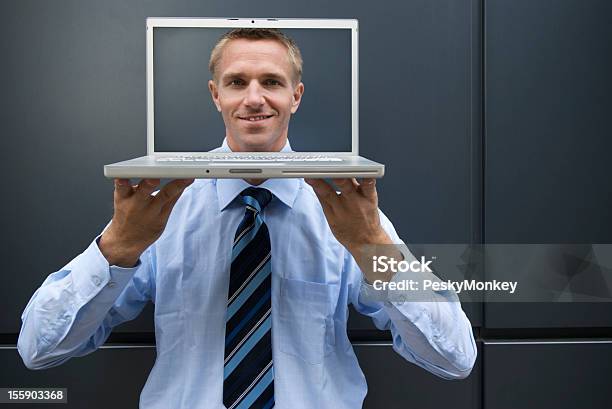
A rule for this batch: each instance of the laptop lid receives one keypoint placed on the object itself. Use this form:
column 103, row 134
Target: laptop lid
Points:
column 182, row 118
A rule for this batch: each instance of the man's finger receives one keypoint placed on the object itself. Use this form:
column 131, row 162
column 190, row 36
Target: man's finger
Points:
column 123, row 188
column 146, row 187
column 368, row 187
column 323, row 190
column 169, row 205
column 347, row 186
column 172, row 189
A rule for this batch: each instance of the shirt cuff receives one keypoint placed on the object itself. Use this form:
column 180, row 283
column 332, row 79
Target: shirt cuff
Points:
column 91, row 273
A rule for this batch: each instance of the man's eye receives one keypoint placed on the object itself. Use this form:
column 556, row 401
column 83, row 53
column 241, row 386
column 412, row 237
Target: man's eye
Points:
column 235, row 82
column 272, row 82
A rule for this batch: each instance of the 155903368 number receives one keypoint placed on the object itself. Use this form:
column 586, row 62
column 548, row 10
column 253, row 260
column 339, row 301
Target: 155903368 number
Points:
column 14, row 395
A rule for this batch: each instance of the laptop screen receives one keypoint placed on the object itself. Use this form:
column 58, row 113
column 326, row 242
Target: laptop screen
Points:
column 186, row 119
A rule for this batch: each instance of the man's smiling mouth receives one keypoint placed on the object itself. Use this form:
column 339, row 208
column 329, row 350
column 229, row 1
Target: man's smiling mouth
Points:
column 255, row 118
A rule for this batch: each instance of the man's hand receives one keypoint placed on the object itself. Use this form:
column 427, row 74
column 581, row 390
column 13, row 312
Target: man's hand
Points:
column 352, row 215
column 139, row 218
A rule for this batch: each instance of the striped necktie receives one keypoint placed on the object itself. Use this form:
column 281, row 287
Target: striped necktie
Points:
column 248, row 375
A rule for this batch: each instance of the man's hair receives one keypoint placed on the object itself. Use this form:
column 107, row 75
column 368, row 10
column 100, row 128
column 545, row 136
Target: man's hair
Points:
column 293, row 52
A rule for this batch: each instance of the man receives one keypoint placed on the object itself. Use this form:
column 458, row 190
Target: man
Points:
column 250, row 284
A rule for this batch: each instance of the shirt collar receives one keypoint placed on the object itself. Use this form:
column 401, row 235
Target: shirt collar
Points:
column 285, row 190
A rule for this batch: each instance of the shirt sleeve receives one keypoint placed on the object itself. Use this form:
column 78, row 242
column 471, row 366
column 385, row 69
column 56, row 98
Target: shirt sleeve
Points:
column 435, row 335
column 75, row 308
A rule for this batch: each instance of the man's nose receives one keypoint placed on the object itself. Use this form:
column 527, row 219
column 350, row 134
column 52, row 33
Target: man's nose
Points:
column 254, row 96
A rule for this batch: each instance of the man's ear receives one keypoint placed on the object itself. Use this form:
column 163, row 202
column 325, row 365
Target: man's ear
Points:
column 297, row 97
column 214, row 93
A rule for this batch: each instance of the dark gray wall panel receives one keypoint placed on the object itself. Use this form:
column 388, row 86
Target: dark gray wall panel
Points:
column 547, row 121
column 394, row 383
column 548, row 375
column 548, row 315
column 108, row 378
column 74, row 99
column 547, row 106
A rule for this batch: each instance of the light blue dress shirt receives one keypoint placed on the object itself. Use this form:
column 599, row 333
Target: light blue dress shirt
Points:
column 185, row 273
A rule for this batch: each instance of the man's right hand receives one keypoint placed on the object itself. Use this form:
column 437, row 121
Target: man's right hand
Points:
column 139, row 218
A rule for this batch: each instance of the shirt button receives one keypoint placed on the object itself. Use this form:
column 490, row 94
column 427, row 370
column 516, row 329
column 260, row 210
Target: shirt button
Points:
column 96, row 280
column 111, row 284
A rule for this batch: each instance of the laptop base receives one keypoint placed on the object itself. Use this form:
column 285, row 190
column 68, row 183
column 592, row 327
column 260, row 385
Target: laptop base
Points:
column 149, row 167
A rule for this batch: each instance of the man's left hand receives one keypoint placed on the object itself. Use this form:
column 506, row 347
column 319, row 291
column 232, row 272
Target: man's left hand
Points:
column 351, row 214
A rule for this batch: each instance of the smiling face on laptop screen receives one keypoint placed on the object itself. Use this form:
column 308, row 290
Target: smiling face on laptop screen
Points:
column 251, row 100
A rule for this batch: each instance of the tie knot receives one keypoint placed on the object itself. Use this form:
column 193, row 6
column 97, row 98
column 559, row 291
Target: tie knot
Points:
column 256, row 197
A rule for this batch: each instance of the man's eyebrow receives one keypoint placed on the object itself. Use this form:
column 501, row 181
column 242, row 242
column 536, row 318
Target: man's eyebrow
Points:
column 268, row 75
column 275, row 76
column 232, row 75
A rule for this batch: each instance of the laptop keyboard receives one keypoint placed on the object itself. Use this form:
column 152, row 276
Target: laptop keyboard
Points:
column 249, row 158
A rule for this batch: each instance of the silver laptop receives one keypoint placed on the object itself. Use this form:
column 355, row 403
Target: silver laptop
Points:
column 186, row 125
